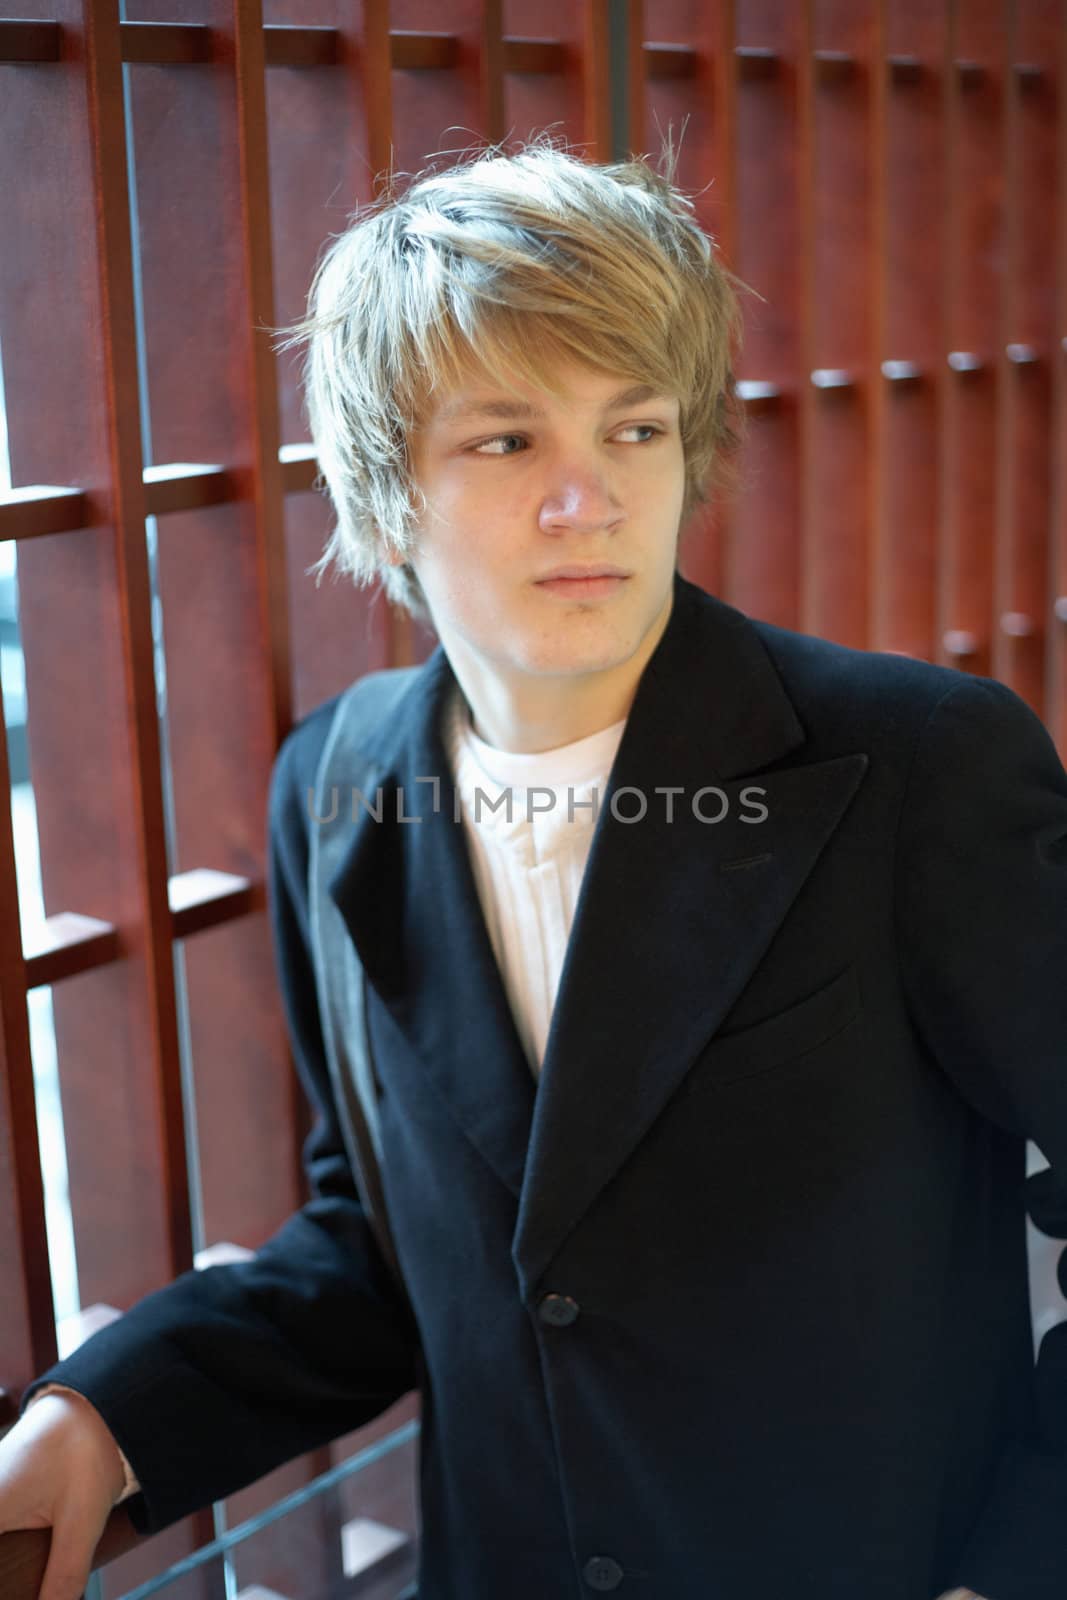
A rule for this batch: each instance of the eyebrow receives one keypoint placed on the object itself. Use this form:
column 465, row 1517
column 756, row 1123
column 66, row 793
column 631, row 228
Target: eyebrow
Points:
column 521, row 410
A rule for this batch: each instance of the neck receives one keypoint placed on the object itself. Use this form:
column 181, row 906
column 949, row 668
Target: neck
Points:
column 527, row 715
column 530, row 724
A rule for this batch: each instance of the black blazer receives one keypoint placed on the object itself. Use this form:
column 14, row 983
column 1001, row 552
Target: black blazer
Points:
column 732, row 1303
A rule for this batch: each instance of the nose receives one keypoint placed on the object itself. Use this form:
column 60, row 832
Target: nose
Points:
column 580, row 499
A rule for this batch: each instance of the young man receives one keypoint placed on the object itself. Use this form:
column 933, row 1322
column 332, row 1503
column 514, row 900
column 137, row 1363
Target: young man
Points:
column 712, row 998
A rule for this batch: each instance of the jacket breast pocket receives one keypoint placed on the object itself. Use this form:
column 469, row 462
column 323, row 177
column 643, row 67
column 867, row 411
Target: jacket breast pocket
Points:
column 785, row 1037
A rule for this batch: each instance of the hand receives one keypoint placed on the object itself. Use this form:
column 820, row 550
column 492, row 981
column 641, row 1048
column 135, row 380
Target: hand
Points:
column 960, row 1594
column 60, row 1468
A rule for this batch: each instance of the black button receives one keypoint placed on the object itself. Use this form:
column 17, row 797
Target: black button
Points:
column 601, row 1573
column 558, row 1310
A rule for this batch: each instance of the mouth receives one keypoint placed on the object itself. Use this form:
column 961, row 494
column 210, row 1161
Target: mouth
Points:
column 590, row 583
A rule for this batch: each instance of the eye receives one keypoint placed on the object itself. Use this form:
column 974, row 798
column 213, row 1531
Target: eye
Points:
column 501, row 438
column 642, row 427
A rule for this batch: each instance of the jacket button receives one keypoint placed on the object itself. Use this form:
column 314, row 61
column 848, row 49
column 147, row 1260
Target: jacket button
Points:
column 558, row 1310
column 601, row 1573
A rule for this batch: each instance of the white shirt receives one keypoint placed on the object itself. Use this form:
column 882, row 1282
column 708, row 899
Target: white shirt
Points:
column 528, row 870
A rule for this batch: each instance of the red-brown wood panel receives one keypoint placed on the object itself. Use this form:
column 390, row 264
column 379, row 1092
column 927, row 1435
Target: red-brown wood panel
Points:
column 27, row 1325
column 1021, row 609
column 760, row 571
column 906, row 382
column 972, row 240
column 570, row 98
column 837, row 150
column 1056, row 674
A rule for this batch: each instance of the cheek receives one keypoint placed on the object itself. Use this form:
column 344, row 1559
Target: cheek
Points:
column 466, row 548
column 466, row 587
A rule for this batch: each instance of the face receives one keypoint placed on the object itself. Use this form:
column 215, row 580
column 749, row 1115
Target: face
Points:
column 548, row 547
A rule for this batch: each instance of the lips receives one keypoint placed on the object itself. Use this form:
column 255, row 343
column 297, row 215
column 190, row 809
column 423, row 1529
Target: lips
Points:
column 592, row 586
column 577, row 573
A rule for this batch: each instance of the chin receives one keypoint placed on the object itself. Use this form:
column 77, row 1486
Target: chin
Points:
column 573, row 662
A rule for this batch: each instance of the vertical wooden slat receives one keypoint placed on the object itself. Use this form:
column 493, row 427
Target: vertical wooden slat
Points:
column 909, row 372
column 254, row 177
column 713, row 174
column 1056, row 714
column 596, row 82
column 446, row 109
column 574, row 102
column 972, row 246
column 27, row 1325
column 629, row 139
column 1021, row 581
column 759, row 570
column 840, row 349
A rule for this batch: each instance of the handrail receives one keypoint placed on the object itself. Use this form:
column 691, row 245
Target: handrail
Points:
column 24, row 1553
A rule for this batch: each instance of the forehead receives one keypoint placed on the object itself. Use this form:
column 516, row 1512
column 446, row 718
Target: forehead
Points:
column 477, row 401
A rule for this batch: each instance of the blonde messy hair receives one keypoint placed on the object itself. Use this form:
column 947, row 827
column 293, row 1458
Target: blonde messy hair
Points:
column 507, row 265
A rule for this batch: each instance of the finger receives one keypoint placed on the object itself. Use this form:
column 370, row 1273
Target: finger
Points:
column 66, row 1576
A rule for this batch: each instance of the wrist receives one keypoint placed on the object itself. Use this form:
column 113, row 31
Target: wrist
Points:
column 70, row 1407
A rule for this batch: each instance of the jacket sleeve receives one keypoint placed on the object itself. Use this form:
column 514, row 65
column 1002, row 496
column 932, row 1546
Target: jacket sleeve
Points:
column 982, row 934
column 225, row 1373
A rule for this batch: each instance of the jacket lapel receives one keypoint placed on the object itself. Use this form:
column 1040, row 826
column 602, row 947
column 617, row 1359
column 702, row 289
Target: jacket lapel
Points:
column 673, row 917
column 407, row 893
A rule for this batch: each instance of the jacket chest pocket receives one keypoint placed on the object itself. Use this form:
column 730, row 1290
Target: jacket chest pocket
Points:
column 783, row 1038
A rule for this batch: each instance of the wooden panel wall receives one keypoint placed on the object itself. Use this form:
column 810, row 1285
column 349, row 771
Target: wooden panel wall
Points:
column 889, row 175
